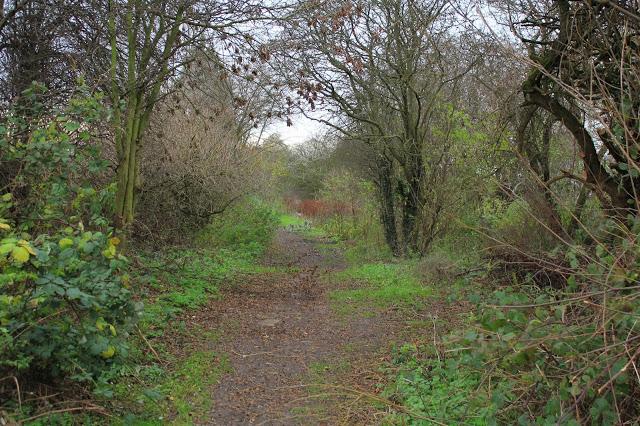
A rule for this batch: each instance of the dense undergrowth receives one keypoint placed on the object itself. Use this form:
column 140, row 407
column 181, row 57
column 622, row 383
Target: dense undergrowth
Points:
column 549, row 336
column 66, row 311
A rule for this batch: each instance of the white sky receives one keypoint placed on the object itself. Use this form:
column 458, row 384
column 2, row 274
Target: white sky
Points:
column 302, row 129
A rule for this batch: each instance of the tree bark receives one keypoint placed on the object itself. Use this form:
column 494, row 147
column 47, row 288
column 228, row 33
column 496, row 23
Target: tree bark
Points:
column 387, row 204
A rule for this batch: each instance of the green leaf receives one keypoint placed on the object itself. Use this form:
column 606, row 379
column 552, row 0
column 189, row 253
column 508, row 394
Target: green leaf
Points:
column 65, row 242
column 6, row 248
column 74, row 293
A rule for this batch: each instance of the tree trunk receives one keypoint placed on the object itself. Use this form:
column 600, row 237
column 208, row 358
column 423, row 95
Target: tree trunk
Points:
column 412, row 194
column 130, row 122
column 387, row 205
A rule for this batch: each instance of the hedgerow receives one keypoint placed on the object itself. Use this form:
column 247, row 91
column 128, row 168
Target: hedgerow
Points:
column 65, row 306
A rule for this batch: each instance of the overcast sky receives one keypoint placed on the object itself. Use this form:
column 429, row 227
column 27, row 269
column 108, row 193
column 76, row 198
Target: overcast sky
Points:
column 302, row 129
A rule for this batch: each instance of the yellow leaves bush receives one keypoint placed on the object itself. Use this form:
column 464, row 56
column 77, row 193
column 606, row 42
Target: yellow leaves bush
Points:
column 20, row 250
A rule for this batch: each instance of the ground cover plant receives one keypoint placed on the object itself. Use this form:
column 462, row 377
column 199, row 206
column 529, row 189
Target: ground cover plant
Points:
column 170, row 383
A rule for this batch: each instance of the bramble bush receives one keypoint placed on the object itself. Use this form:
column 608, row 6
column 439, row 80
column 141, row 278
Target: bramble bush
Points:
column 544, row 354
column 435, row 389
column 65, row 309
column 555, row 355
column 569, row 354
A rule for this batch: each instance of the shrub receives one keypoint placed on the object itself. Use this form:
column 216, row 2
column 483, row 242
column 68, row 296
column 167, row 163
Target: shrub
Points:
column 437, row 267
column 515, row 225
column 521, row 246
column 198, row 159
column 436, row 389
column 251, row 223
column 567, row 355
column 65, row 309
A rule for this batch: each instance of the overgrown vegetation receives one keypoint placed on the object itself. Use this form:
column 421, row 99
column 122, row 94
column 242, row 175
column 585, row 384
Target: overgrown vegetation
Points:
column 441, row 390
column 65, row 309
column 486, row 151
column 383, row 284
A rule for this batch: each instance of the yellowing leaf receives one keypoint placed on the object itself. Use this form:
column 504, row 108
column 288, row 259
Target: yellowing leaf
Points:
column 113, row 330
column 109, row 252
column 5, row 226
column 26, row 245
column 6, row 248
column 114, row 241
column 20, row 254
column 65, row 242
column 100, row 323
column 109, row 352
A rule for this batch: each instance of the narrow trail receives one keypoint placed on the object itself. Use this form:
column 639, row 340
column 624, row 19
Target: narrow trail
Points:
column 282, row 337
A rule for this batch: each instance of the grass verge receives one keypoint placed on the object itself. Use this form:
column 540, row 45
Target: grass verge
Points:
column 175, row 364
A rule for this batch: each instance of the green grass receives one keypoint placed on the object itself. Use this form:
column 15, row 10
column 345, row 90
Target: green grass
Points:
column 182, row 279
column 382, row 284
column 186, row 277
column 290, row 220
column 188, row 388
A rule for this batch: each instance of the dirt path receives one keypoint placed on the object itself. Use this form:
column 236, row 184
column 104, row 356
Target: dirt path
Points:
column 286, row 347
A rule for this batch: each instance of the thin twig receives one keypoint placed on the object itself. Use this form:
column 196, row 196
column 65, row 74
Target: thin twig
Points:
column 149, row 345
column 622, row 370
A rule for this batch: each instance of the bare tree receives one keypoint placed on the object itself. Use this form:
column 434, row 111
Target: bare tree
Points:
column 381, row 71
column 150, row 44
column 196, row 156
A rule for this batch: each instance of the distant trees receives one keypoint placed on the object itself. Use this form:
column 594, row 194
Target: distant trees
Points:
column 381, row 70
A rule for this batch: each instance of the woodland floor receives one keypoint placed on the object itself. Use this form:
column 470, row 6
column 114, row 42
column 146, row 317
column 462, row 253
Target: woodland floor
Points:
column 293, row 357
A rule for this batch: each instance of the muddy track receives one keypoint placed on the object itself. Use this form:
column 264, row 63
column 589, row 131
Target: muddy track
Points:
column 275, row 326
